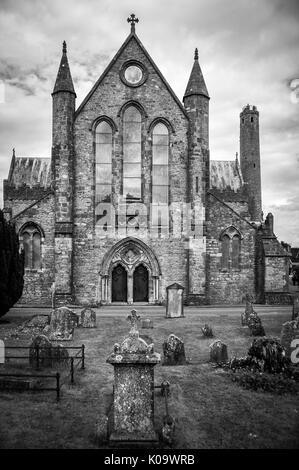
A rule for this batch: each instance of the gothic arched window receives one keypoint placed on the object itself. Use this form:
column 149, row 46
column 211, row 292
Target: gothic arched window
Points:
column 225, row 252
column 30, row 237
column 160, row 164
column 230, row 248
column 132, row 153
column 103, row 151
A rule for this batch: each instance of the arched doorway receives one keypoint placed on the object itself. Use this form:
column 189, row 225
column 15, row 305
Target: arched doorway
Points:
column 140, row 284
column 119, row 284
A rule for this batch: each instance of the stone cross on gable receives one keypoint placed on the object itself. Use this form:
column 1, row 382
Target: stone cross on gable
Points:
column 132, row 19
column 133, row 318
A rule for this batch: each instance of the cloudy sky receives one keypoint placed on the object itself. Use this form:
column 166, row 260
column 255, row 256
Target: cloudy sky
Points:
column 248, row 51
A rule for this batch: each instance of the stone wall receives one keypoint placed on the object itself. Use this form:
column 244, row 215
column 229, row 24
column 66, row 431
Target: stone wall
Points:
column 37, row 283
column 228, row 286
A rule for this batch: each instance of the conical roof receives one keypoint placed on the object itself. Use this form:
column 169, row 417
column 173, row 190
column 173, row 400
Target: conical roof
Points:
column 64, row 80
column 196, row 84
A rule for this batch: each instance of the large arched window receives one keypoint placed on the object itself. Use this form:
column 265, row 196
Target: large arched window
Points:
column 103, row 162
column 230, row 249
column 30, row 237
column 132, row 153
column 160, row 164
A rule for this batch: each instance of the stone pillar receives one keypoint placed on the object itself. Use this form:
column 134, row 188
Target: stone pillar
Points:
column 130, row 289
column 133, row 400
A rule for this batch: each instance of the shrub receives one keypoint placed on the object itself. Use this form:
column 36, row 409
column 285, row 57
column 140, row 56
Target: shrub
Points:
column 11, row 266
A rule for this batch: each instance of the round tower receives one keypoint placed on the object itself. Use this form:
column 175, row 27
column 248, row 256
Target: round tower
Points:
column 250, row 159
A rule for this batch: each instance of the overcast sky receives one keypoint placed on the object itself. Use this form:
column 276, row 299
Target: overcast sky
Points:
column 248, row 51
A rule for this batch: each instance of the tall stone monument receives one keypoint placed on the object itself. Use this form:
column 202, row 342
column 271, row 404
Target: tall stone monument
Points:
column 133, row 402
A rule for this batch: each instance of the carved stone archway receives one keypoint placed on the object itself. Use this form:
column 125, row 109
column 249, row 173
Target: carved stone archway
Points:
column 130, row 253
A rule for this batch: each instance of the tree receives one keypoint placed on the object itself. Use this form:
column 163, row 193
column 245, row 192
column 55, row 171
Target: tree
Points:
column 11, row 266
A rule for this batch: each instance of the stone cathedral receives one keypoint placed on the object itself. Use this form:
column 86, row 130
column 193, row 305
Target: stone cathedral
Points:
column 98, row 221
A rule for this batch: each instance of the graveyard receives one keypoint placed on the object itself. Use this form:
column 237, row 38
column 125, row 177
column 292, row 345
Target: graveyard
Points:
column 210, row 409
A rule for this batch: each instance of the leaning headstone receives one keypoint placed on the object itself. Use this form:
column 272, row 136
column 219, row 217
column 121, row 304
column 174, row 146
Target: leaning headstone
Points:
column 295, row 313
column 62, row 323
column 88, row 318
column 173, row 351
column 40, row 352
column 147, row 323
column 255, row 325
column 218, row 352
column 133, row 398
column 248, row 310
column 175, row 301
column 289, row 332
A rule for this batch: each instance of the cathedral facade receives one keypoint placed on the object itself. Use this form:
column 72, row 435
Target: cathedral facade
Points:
column 130, row 202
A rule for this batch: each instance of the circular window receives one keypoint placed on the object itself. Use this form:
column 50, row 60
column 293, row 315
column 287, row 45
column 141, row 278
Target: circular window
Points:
column 133, row 73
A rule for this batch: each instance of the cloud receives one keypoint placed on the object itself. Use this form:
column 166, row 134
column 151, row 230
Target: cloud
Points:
column 248, row 53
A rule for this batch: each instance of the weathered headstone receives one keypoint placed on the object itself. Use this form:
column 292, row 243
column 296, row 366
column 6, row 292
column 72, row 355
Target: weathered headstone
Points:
column 133, row 400
column 38, row 321
column 255, row 325
column 40, row 352
column 207, row 331
column 218, row 352
column 175, row 301
column 289, row 332
column 147, row 323
column 295, row 313
column 173, row 351
column 248, row 310
column 62, row 323
column 60, row 356
column 88, row 318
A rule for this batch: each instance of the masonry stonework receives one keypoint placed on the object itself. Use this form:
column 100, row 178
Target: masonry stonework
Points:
column 131, row 258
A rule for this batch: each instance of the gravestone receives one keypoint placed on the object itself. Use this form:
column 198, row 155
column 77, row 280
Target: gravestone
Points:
column 133, row 398
column 88, row 318
column 147, row 323
column 255, row 325
column 175, row 301
column 38, row 321
column 248, row 310
column 218, row 352
column 207, row 331
column 289, row 332
column 60, row 356
column 62, row 323
column 173, row 351
column 295, row 313
column 40, row 352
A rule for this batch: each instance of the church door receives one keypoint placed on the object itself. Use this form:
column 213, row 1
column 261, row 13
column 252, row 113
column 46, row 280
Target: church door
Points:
column 140, row 284
column 119, row 284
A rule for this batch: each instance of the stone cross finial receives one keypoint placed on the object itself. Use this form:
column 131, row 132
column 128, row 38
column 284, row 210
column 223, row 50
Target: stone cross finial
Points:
column 133, row 318
column 64, row 47
column 132, row 19
column 196, row 54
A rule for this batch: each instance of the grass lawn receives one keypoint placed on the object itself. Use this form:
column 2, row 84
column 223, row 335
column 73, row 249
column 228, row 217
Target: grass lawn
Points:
column 210, row 410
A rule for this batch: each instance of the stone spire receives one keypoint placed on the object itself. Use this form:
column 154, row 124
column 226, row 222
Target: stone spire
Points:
column 64, row 80
column 196, row 84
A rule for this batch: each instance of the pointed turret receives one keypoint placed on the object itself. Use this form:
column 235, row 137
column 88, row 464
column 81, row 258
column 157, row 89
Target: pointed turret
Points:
column 64, row 104
column 196, row 84
column 64, row 80
column 196, row 102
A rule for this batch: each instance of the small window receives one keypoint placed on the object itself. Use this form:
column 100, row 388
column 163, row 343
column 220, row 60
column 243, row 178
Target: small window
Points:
column 251, row 119
column 30, row 238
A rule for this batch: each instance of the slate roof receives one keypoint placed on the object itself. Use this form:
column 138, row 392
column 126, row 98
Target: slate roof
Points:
column 31, row 172
column 196, row 84
column 272, row 247
column 226, row 174
column 64, row 80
